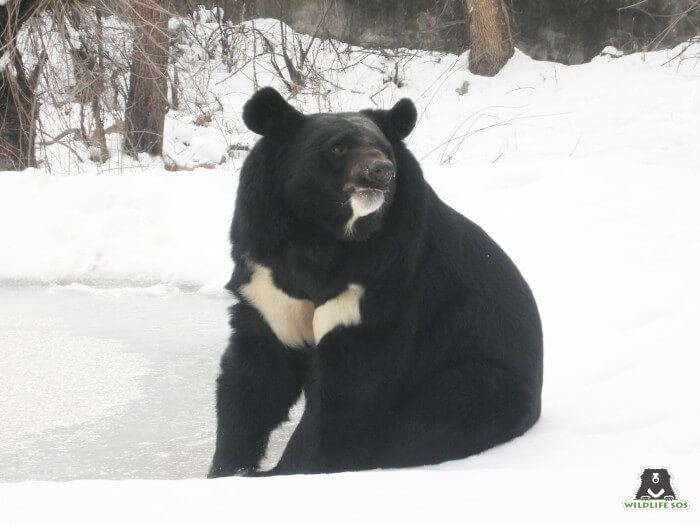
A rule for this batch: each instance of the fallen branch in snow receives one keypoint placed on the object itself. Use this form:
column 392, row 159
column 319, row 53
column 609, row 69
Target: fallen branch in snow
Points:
column 343, row 89
column 71, row 149
column 446, row 158
column 682, row 51
column 170, row 165
column 235, row 71
column 371, row 97
column 117, row 127
column 59, row 137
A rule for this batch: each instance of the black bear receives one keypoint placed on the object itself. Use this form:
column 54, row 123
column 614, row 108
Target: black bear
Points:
column 656, row 484
column 411, row 333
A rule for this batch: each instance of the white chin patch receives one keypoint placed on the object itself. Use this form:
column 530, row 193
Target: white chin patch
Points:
column 363, row 203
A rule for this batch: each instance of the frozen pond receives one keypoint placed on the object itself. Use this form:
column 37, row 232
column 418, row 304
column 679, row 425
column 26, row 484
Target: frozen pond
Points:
column 110, row 383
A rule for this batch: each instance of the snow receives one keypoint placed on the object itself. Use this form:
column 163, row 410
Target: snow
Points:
column 587, row 176
column 480, row 496
column 138, row 229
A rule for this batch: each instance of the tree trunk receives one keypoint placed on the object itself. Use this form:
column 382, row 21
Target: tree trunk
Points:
column 490, row 41
column 147, row 98
column 18, row 108
column 17, row 124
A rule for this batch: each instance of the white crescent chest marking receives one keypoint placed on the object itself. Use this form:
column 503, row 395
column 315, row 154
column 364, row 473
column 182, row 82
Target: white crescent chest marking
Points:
column 655, row 494
column 289, row 319
column 341, row 310
column 295, row 322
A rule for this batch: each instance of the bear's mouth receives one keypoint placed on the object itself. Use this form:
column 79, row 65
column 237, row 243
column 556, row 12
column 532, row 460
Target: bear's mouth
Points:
column 365, row 199
column 369, row 194
column 366, row 192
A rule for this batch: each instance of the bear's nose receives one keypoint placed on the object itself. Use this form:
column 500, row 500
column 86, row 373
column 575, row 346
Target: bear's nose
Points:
column 380, row 171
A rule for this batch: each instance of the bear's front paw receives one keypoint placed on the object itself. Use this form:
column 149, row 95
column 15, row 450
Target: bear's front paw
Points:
column 258, row 473
column 645, row 498
column 669, row 498
column 223, row 472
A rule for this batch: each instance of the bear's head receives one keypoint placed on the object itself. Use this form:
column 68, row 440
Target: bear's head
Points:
column 656, row 484
column 340, row 169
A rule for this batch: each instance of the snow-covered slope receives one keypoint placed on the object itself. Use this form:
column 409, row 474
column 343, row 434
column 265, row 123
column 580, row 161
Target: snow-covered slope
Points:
column 589, row 176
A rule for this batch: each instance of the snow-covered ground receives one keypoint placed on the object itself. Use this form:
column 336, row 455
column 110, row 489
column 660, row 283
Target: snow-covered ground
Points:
column 112, row 317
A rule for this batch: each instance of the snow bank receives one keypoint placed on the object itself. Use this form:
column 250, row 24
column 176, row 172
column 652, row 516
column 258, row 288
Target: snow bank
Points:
column 116, row 229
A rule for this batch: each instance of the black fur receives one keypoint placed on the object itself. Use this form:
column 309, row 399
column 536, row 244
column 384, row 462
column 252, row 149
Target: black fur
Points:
column 403, row 117
column 447, row 360
column 269, row 114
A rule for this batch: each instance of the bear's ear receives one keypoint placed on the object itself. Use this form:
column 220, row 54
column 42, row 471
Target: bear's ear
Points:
column 403, row 117
column 268, row 114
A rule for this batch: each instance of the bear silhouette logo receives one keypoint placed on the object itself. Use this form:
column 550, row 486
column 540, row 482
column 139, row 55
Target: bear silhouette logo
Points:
column 656, row 484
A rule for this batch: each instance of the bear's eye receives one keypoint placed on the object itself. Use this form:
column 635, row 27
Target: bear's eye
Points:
column 338, row 150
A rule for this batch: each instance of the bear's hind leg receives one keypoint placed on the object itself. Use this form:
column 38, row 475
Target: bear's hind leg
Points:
column 260, row 380
column 460, row 412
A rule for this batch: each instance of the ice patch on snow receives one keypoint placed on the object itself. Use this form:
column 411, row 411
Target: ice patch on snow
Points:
column 50, row 379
